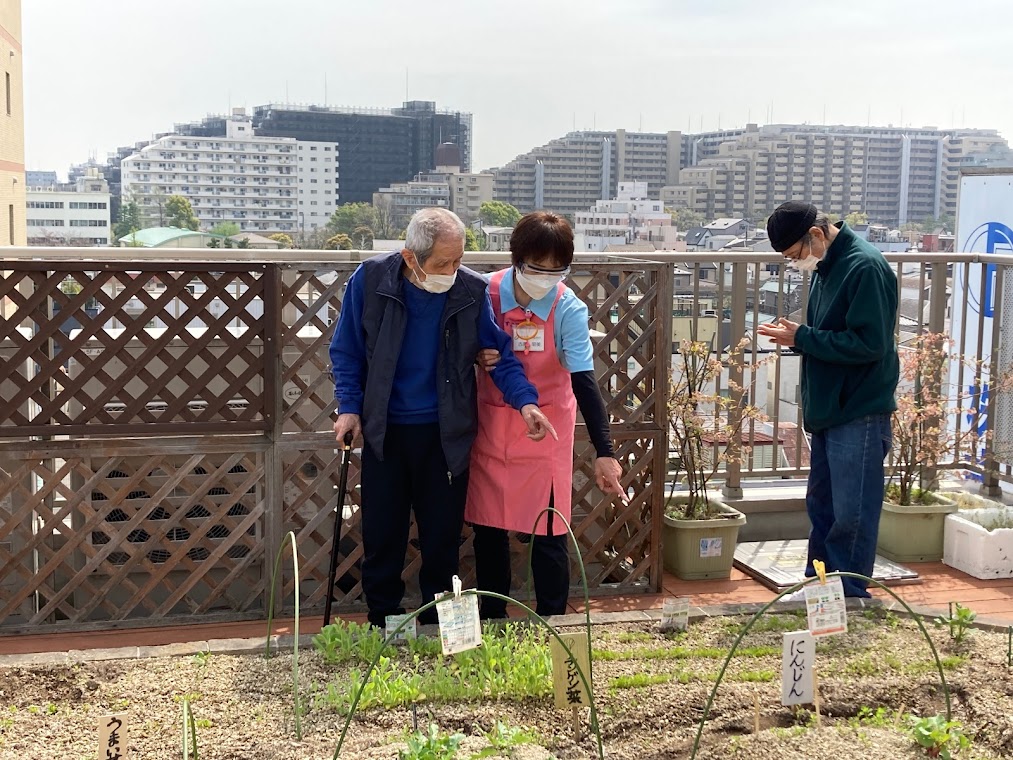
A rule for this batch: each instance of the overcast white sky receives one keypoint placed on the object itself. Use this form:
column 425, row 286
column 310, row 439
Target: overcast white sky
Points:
column 106, row 73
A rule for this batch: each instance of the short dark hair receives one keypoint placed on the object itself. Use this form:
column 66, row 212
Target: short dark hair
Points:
column 539, row 235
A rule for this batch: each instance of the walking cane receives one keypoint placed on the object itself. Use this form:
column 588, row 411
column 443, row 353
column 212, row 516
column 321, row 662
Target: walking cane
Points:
column 339, row 519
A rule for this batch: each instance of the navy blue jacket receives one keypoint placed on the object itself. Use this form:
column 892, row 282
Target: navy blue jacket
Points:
column 367, row 342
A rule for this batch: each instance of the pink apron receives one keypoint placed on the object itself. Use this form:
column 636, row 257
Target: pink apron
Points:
column 511, row 476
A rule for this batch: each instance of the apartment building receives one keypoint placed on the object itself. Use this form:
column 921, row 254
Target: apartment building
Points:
column 630, row 218
column 380, row 146
column 12, row 128
column 405, row 198
column 259, row 183
column 570, row 174
column 77, row 214
column 894, row 175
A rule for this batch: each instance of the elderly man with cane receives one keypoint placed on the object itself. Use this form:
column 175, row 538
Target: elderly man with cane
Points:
column 403, row 356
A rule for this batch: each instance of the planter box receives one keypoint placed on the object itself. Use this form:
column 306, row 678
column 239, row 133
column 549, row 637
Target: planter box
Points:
column 915, row 533
column 978, row 552
column 702, row 549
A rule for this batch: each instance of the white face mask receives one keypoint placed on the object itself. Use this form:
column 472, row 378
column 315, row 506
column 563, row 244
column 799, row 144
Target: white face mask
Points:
column 537, row 285
column 809, row 263
column 435, row 283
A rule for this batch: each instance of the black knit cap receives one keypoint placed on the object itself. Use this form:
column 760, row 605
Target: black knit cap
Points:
column 789, row 223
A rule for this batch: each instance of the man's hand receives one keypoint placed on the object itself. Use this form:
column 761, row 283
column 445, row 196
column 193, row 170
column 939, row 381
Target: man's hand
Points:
column 781, row 333
column 538, row 424
column 607, row 472
column 347, row 423
column 487, row 359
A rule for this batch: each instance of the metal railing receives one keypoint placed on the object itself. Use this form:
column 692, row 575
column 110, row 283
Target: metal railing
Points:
column 727, row 290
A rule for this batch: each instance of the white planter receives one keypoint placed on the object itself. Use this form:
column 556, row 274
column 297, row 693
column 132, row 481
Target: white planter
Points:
column 980, row 553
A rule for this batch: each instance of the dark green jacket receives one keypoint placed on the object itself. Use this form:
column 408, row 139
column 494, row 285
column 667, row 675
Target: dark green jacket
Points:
column 850, row 367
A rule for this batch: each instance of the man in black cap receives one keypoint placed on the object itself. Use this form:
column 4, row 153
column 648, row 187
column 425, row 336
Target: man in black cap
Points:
column 849, row 378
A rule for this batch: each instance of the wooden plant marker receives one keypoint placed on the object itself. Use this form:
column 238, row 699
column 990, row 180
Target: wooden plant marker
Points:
column 112, row 737
column 756, row 713
column 568, row 688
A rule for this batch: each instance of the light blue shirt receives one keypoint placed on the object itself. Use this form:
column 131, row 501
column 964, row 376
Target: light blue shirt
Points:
column 572, row 336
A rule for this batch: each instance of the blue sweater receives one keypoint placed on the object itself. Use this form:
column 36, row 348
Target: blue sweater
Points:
column 413, row 398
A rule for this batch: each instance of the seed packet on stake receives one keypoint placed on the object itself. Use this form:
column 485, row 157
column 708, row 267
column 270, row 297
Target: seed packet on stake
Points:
column 825, row 605
column 460, row 627
column 675, row 614
column 410, row 631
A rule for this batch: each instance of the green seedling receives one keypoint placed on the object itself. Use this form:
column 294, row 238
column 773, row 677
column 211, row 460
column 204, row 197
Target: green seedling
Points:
column 504, row 740
column 431, row 745
column 959, row 621
column 938, row 737
column 202, row 658
column 639, row 680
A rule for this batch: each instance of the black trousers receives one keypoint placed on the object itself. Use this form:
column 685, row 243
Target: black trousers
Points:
column 413, row 476
column 550, row 567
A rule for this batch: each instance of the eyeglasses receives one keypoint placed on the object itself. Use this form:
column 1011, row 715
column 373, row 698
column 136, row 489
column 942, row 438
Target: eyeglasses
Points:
column 526, row 268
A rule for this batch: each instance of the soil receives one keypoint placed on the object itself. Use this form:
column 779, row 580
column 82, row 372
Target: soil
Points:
column 242, row 704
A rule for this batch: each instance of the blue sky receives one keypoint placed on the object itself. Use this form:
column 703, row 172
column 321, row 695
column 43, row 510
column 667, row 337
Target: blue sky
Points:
column 528, row 70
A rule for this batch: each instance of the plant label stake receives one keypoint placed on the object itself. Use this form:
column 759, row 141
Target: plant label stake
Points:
column 1009, row 649
column 567, row 685
column 112, row 737
column 410, row 631
column 339, row 519
column 826, row 608
column 460, row 627
column 756, row 713
column 816, row 698
column 797, row 669
column 675, row 614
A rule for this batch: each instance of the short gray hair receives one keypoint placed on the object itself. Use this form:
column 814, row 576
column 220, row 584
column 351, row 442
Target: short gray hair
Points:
column 822, row 221
column 429, row 225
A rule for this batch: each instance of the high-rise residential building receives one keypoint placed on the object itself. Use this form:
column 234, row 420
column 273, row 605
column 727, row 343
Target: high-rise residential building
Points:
column 403, row 199
column 630, row 218
column 571, row 174
column 468, row 192
column 71, row 214
column 379, row 147
column 894, row 175
column 258, row 183
column 12, row 128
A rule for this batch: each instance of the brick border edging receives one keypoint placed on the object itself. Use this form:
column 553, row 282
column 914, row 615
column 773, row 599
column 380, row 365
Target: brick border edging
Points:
column 279, row 643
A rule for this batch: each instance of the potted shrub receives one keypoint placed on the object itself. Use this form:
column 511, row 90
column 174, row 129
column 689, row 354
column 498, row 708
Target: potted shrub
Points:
column 914, row 514
column 699, row 530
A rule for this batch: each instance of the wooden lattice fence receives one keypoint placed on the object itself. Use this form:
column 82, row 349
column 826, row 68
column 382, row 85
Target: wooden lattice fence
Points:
column 164, row 423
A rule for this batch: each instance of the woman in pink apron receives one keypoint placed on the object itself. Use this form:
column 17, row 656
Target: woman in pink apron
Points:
column 512, row 478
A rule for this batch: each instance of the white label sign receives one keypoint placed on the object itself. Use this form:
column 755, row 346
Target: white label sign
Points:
column 112, row 737
column 460, row 627
column 826, row 607
column 410, row 631
column 710, row 547
column 797, row 686
column 675, row 614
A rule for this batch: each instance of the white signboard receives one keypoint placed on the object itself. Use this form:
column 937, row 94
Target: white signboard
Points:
column 984, row 225
column 797, row 660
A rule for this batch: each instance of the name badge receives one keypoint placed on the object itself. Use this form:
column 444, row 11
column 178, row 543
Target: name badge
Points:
column 528, row 337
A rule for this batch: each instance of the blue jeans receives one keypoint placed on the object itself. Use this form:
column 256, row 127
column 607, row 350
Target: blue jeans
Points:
column 845, row 497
